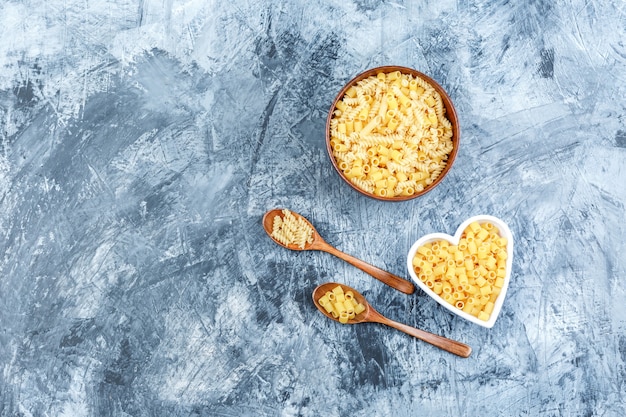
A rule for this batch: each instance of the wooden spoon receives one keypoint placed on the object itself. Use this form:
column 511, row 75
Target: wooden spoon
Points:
column 373, row 316
column 319, row 243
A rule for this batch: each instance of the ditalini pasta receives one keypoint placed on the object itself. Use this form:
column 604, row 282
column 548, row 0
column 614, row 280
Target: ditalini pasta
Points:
column 291, row 230
column 341, row 304
column 389, row 134
column 469, row 275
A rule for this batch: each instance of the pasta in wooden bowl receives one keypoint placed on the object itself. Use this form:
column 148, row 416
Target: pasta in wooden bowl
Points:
column 392, row 133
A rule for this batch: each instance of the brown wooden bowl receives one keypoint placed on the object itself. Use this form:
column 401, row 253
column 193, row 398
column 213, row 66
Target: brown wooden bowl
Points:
column 450, row 114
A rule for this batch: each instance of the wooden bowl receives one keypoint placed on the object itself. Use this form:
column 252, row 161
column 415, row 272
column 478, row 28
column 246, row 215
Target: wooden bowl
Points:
column 450, row 115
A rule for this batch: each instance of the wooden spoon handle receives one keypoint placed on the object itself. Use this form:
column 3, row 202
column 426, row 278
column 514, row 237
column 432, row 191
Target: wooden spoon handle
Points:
column 449, row 345
column 388, row 278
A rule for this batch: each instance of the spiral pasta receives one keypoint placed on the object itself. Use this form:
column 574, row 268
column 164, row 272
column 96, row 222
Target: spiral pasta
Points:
column 291, row 230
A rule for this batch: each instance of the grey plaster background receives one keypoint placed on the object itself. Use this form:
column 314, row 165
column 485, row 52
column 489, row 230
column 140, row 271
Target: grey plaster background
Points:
column 142, row 141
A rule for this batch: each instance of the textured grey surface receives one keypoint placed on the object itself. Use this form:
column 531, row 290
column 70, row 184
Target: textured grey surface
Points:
column 141, row 143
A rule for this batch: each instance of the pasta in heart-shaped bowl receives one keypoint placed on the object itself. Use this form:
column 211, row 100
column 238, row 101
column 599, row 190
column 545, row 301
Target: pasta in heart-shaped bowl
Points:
column 467, row 273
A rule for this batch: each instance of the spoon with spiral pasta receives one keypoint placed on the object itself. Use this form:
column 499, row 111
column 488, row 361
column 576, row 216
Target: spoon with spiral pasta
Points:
column 365, row 313
column 293, row 231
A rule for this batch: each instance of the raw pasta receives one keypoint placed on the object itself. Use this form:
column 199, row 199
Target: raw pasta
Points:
column 341, row 304
column 388, row 128
column 291, row 230
column 469, row 275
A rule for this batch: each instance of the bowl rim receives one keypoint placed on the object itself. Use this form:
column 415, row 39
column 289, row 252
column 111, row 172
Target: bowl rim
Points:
column 450, row 113
column 482, row 218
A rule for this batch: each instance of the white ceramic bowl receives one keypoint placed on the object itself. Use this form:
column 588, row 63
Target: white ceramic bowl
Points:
column 504, row 231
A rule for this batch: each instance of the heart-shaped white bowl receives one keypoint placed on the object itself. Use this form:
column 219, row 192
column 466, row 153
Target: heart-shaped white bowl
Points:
column 454, row 240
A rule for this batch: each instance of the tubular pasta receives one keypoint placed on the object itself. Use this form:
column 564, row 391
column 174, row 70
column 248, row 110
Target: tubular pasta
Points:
column 341, row 304
column 466, row 275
